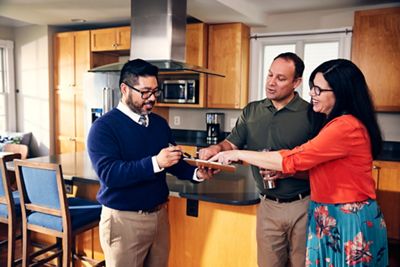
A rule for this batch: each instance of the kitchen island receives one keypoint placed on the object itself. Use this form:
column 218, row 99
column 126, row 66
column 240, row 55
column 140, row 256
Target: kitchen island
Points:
column 212, row 223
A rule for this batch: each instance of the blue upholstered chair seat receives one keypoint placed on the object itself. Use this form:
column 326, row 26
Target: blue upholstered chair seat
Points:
column 81, row 211
column 3, row 207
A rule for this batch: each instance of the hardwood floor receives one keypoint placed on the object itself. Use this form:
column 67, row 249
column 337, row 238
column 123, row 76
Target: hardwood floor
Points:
column 394, row 250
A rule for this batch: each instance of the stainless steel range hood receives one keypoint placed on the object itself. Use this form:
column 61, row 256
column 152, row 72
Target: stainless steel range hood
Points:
column 158, row 35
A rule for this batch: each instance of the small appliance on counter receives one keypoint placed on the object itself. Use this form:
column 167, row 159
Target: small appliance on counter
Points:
column 214, row 123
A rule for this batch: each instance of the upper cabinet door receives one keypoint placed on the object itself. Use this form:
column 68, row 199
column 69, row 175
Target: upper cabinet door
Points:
column 82, row 57
column 123, row 38
column 64, row 63
column 196, row 54
column 196, row 44
column 71, row 59
column 111, row 39
column 376, row 51
column 228, row 54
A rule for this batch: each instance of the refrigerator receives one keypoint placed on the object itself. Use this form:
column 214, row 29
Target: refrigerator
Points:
column 101, row 94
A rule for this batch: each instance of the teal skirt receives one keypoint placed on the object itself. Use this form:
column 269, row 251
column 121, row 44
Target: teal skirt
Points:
column 352, row 234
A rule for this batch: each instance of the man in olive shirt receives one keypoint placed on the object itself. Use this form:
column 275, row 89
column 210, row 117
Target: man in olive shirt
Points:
column 278, row 122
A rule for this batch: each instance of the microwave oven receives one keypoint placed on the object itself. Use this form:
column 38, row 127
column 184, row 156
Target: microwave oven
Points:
column 182, row 91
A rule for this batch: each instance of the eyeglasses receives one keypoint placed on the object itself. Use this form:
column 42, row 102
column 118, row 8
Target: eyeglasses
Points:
column 145, row 94
column 318, row 90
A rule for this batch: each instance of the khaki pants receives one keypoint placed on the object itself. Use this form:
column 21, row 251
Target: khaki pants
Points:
column 132, row 239
column 281, row 233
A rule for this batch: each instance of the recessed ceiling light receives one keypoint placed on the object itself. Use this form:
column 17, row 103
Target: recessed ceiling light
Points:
column 78, row 20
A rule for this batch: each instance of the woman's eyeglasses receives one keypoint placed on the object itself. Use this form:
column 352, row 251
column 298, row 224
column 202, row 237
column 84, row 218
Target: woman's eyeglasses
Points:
column 318, row 90
column 145, row 94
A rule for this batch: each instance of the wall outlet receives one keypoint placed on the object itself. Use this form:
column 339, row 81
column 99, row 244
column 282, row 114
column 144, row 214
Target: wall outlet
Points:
column 233, row 122
column 177, row 120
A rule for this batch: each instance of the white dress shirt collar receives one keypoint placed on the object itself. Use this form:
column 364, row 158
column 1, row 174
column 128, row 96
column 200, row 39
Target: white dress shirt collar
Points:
column 128, row 112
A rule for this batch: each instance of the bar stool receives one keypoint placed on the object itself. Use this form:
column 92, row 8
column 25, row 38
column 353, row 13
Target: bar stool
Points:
column 10, row 209
column 46, row 209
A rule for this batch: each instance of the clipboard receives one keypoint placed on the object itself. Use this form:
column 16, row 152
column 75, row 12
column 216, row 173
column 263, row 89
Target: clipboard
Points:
column 210, row 164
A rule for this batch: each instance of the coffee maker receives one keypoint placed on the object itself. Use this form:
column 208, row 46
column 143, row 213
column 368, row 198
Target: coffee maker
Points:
column 214, row 127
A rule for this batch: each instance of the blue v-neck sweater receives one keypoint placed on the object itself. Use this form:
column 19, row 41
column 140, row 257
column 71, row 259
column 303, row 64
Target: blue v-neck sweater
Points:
column 121, row 150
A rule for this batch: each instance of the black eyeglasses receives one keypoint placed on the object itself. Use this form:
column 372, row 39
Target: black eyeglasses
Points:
column 145, row 94
column 318, row 90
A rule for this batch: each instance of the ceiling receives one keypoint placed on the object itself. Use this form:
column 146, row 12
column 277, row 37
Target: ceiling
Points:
column 17, row 13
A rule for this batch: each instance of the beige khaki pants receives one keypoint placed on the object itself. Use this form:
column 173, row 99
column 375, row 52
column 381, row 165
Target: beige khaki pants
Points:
column 281, row 233
column 132, row 239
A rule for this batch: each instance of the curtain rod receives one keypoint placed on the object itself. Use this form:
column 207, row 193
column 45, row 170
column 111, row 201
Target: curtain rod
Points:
column 256, row 36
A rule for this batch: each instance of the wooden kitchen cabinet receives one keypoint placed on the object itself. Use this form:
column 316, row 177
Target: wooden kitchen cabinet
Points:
column 72, row 59
column 388, row 195
column 376, row 51
column 228, row 54
column 222, row 235
column 111, row 39
column 196, row 54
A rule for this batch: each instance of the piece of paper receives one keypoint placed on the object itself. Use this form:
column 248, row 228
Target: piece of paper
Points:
column 210, row 164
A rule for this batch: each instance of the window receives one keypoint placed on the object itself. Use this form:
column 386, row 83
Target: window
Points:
column 7, row 90
column 313, row 47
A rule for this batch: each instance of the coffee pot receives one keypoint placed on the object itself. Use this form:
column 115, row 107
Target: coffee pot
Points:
column 214, row 123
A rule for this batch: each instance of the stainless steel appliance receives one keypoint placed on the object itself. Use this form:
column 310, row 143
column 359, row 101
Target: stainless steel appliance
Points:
column 181, row 91
column 214, row 127
column 101, row 94
column 159, row 35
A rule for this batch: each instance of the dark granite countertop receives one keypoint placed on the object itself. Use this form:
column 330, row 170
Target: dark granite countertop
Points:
column 227, row 188
column 193, row 138
column 390, row 151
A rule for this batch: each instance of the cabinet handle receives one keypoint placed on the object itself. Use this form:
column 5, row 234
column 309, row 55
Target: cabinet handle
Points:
column 374, row 167
column 72, row 139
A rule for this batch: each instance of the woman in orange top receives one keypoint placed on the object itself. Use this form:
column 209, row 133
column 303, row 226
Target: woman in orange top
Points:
column 346, row 227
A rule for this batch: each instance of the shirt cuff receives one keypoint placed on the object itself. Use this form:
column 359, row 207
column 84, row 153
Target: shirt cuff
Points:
column 195, row 178
column 156, row 168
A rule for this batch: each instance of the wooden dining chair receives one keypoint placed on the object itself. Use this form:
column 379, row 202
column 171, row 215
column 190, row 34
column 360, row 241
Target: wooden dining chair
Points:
column 17, row 148
column 46, row 209
column 10, row 210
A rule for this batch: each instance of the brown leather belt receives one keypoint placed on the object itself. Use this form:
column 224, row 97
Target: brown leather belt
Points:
column 155, row 209
column 286, row 200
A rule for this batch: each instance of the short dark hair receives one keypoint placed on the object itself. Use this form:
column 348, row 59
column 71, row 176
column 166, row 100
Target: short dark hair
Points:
column 298, row 62
column 135, row 68
column 352, row 96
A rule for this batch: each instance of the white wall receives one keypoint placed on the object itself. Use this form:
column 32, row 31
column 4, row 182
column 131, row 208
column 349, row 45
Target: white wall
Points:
column 6, row 33
column 33, row 82
column 302, row 21
column 195, row 119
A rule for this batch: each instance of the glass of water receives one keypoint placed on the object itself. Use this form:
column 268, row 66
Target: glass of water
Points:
column 268, row 184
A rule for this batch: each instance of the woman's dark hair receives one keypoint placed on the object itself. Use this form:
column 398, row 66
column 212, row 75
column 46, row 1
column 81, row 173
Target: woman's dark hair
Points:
column 135, row 68
column 352, row 96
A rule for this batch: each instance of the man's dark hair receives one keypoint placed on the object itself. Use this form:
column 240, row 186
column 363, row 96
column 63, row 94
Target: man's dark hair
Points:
column 134, row 68
column 298, row 63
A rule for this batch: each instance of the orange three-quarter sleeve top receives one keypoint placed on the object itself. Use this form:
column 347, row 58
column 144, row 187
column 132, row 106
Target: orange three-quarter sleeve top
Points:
column 339, row 160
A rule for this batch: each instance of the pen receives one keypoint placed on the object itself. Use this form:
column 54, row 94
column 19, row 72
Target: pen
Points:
column 184, row 154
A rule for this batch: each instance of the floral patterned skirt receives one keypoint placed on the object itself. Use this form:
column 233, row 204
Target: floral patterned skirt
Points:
column 352, row 234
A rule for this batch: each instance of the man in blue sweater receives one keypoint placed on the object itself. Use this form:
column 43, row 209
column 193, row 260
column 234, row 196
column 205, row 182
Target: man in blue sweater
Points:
column 130, row 152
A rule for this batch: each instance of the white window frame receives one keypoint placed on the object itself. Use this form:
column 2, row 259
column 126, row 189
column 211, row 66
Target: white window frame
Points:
column 9, row 82
column 299, row 38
